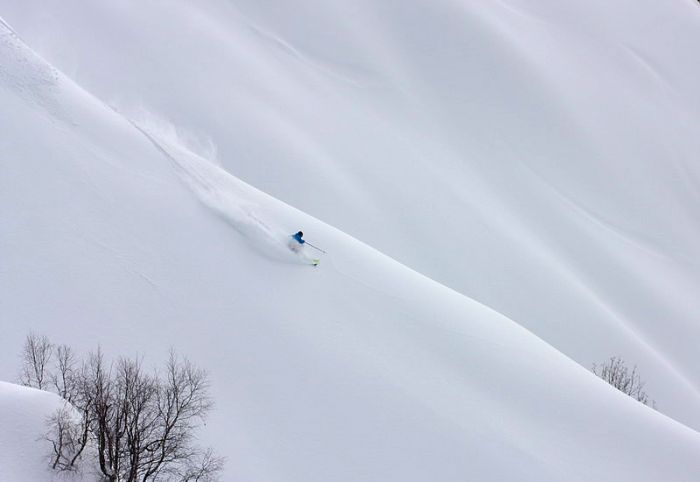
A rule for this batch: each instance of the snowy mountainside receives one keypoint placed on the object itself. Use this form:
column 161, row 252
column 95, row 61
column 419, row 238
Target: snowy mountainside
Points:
column 114, row 230
column 536, row 156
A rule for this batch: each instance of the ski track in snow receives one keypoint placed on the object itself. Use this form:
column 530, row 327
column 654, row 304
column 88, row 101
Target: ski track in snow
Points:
column 127, row 265
column 648, row 67
column 289, row 49
column 520, row 11
column 596, row 219
column 230, row 198
column 355, row 78
column 7, row 26
column 25, row 72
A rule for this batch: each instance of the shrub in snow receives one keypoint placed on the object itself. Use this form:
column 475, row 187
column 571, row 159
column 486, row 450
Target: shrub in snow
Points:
column 133, row 424
column 616, row 373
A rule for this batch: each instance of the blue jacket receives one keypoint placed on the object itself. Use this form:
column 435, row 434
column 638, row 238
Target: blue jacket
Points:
column 298, row 238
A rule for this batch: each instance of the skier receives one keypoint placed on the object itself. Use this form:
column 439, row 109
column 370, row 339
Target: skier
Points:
column 296, row 243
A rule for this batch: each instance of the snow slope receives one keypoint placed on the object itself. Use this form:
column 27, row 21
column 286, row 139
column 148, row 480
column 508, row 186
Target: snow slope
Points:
column 117, row 228
column 536, row 156
column 22, row 414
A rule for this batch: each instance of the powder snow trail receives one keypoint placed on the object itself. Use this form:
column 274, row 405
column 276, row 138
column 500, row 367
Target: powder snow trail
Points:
column 238, row 203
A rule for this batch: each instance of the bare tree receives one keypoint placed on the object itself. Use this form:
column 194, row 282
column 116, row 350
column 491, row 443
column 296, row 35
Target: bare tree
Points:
column 36, row 358
column 139, row 425
column 204, row 468
column 616, row 373
column 64, row 375
column 69, row 427
column 68, row 436
column 181, row 403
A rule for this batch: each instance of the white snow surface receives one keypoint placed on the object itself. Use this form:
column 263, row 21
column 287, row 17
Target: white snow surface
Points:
column 23, row 449
column 509, row 191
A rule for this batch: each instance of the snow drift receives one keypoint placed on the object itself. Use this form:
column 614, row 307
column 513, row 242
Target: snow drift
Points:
column 24, row 453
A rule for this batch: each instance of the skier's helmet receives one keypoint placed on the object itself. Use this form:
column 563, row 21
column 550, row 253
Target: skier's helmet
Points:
column 300, row 234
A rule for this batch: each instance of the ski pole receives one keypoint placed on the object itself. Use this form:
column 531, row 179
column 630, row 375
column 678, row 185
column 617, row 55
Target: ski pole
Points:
column 315, row 247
